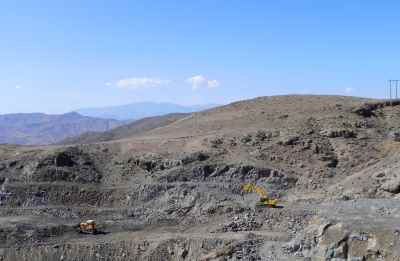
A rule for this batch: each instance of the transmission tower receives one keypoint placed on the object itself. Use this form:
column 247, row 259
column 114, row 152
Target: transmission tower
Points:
column 393, row 89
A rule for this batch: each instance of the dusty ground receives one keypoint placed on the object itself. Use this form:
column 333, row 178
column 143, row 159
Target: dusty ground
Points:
column 173, row 193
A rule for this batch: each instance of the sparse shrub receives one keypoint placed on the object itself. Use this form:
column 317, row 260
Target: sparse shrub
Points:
column 246, row 139
column 215, row 142
column 232, row 142
column 261, row 135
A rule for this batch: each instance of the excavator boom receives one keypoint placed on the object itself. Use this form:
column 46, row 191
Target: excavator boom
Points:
column 261, row 191
column 264, row 199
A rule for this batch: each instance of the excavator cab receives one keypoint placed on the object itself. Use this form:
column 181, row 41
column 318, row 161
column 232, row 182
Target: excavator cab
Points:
column 88, row 227
column 264, row 200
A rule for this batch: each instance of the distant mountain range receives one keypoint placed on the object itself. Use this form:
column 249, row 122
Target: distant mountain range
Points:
column 91, row 124
column 39, row 128
column 140, row 110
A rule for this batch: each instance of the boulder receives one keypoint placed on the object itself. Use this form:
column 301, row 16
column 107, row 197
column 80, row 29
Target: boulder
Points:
column 336, row 133
column 394, row 135
column 392, row 185
column 289, row 140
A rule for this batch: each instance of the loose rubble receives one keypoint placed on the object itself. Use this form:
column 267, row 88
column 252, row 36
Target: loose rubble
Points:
column 244, row 222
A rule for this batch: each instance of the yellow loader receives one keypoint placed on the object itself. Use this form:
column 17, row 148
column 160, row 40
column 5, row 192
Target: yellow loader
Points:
column 88, row 227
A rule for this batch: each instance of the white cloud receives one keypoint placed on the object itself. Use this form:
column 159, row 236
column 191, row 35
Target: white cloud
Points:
column 199, row 81
column 108, row 84
column 139, row 83
column 18, row 87
column 349, row 90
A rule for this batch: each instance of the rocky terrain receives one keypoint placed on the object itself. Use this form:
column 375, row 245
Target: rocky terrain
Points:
column 173, row 192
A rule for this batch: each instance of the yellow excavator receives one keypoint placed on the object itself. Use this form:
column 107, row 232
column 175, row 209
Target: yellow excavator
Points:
column 264, row 200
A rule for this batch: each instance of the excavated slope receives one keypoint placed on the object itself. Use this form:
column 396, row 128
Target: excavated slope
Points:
column 174, row 192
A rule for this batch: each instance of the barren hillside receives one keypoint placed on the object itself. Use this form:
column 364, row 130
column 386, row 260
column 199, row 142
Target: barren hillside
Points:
column 174, row 192
column 126, row 131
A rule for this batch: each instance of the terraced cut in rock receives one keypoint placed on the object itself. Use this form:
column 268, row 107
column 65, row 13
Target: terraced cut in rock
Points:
column 174, row 192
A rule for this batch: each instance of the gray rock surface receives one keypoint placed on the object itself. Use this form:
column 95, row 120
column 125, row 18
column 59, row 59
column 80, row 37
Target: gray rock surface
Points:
column 174, row 192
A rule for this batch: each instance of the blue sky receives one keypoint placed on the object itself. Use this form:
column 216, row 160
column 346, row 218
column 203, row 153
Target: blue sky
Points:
column 57, row 56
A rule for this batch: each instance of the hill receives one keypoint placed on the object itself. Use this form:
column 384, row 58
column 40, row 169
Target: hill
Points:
column 173, row 192
column 140, row 110
column 126, row 131
column 39, row 128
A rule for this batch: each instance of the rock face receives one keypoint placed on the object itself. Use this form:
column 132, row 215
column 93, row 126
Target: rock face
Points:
column 392, row 185
column 175, row 249
column 369, row 109
column 71, row 165
column 328, row 241
column 174, row 192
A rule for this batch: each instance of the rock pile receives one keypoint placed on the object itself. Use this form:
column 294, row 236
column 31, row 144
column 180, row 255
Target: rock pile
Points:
column 245, row 222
